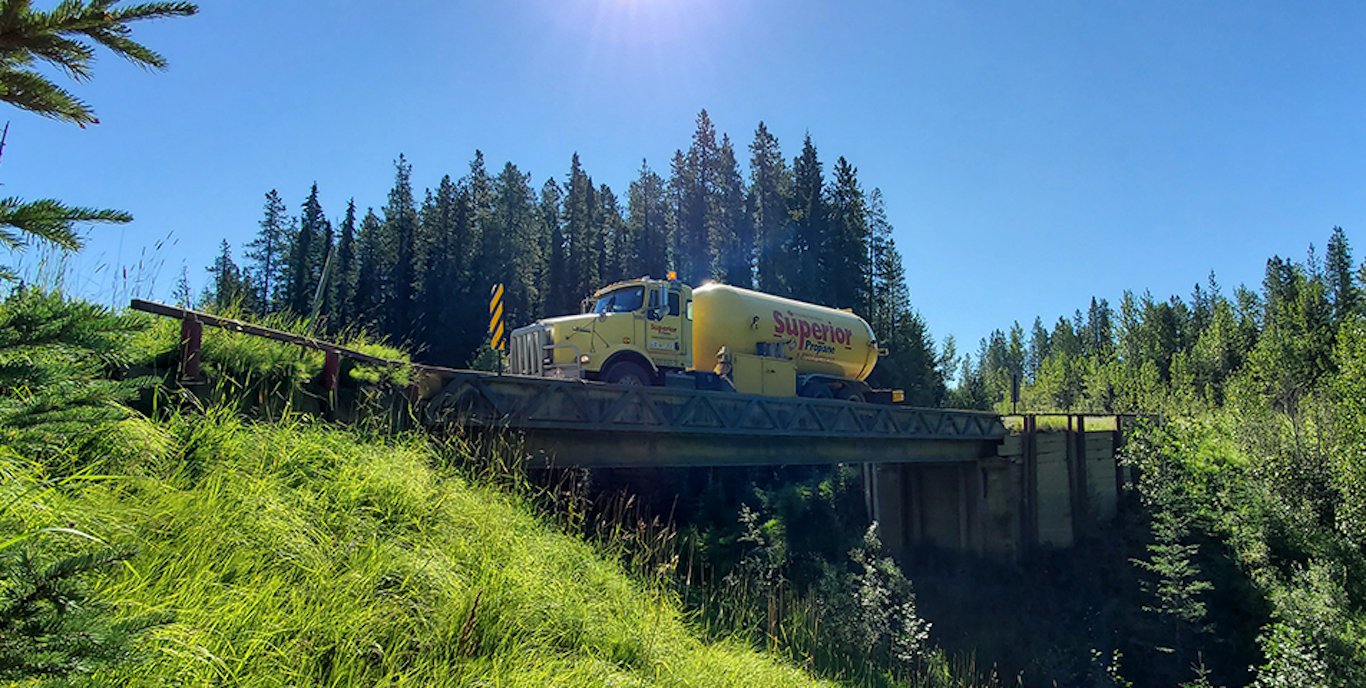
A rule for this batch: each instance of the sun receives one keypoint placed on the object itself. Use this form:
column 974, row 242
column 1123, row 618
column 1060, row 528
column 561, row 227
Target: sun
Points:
column 651, row 22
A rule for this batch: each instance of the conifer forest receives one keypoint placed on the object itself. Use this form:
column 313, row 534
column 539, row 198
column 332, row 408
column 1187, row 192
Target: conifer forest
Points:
column 418, row 271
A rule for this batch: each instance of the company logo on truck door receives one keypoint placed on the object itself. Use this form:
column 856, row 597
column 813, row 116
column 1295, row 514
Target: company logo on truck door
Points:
column 816, row 337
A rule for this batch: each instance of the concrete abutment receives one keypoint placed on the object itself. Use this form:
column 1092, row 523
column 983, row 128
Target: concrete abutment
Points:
column 1042, row 488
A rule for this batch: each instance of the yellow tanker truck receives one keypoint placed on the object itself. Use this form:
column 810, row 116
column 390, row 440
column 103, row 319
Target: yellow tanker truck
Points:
column 663, row 332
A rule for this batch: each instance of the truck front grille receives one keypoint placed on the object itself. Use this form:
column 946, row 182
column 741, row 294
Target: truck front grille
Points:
column 527, row 351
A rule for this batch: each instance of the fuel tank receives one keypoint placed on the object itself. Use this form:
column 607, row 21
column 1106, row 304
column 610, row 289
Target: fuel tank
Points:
column 820, row 340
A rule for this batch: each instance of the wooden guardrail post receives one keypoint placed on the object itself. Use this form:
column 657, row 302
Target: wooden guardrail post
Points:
column 191, row 340
column 331, row 369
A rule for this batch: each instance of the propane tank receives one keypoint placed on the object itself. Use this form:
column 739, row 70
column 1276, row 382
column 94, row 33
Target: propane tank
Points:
column 821, row 340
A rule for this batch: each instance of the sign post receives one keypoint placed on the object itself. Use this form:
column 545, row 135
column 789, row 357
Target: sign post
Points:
column 1014, row 392
column 497, row 331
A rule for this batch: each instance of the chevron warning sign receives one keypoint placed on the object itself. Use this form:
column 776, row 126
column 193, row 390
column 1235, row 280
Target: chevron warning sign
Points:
column 497, row 331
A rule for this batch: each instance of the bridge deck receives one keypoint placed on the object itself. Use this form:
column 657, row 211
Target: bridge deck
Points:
column 581, row 423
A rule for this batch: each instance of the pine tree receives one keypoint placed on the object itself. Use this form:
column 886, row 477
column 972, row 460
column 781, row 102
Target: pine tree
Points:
column 729, row 228
column 230, row 286
column 1039, row 349
column 400, row 232
column 691, row 187
column 648, row 225
column 509, row 250
column 614, row 238
column 581, row 235
column 844, row 257
column 441, row 266
column 1342, row 289
column 307, row 255
column 374, row 262
column 346, row 274
column 182, row 295
column 809, row 225
column 559, row 299
column 268, row 251
column 770, row 186
column 887, row 285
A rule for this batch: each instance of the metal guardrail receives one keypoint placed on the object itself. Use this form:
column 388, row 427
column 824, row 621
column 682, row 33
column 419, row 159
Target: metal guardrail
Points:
column 511, row 401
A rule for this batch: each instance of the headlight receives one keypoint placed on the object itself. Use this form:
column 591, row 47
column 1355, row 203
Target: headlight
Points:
column 583, row 360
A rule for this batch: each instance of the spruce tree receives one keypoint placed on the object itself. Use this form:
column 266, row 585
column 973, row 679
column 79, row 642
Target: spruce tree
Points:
column 443, row 278
column 649, row 225
column 1342, row 289
column 1038, row 348
column 809, row 219
column 57, row 38
column 373, row 261
column 558, row 298
column 581, row 234
column 845, row 260
column 729, row 228
column 887, row 285
column 229, row 286
column 770, row 186
column 509, row 250
column 307, row 255
column 268, row 251
column 182, row 295
column 346, row 274
column 614, row 238
column 691, row 188
column 400, row 233
column 1099, row 330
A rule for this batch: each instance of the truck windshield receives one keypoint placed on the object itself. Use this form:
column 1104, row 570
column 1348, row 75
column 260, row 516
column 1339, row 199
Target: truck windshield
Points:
column 624, row 301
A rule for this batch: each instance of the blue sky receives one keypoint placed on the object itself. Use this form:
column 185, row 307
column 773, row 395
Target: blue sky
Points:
column 1031, row 154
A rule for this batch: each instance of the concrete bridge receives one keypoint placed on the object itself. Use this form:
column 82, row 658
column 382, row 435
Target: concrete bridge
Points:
column 955, row 479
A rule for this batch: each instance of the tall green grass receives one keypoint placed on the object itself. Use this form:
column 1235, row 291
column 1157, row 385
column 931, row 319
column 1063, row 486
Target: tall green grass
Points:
column 264, row 377
column 302, row 555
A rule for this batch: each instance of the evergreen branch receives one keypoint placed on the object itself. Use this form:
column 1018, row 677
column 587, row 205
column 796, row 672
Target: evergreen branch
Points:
column 30, row 91
column 53, row 37
column 51, row 220
column 70, row 56
column 149, row 10
column 127, row 48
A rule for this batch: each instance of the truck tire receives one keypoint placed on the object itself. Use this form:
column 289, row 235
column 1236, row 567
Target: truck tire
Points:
column 816, row 389
column 627, row 373
column 850, row 393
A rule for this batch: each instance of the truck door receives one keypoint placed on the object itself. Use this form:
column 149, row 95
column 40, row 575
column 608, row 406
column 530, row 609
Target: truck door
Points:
column 664, row 336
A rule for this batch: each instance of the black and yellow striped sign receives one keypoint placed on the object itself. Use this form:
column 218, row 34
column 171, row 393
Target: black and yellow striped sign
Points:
column 497, row 332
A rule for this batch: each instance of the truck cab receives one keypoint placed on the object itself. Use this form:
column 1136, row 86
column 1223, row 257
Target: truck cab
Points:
column 632, row 332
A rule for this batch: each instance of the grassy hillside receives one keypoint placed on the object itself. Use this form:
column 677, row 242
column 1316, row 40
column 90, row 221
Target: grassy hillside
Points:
column 296, row 554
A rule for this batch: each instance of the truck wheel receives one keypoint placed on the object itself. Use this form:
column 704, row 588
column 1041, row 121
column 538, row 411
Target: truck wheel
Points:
column 850, row 393
column 817, row 390
column 627, row 373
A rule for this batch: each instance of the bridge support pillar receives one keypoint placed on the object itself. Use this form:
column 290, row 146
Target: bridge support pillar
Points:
column 1040, row 489
column 962, row 506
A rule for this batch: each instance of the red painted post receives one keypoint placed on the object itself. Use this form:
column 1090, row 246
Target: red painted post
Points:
column 331, row 369
column 191, row 339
